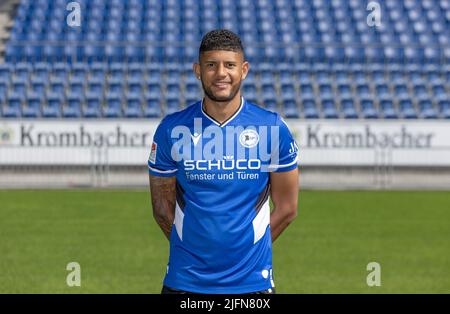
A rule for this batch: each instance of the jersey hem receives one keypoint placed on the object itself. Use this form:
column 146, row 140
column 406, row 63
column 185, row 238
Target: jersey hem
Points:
column 240, row 290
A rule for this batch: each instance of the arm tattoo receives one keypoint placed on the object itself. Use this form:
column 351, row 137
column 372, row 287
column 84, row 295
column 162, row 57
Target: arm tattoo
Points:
column 163, row 202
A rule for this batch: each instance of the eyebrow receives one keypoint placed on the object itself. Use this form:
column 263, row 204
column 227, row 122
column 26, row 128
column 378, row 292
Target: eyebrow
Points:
column 213, row 61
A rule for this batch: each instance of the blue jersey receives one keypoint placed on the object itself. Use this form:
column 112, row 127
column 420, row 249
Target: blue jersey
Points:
column 220, row 240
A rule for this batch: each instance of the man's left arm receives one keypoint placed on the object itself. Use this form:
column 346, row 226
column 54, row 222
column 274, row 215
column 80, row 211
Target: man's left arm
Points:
column 284, row 195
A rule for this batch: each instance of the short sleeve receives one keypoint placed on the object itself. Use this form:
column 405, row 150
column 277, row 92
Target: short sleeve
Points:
column 160, row 161
column 285, row 156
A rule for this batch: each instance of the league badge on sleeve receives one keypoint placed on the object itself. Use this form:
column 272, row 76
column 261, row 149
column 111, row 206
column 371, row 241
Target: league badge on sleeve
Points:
column 152, row 157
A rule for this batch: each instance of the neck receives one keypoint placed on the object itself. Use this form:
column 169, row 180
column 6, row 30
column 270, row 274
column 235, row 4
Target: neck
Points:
column 221, row 111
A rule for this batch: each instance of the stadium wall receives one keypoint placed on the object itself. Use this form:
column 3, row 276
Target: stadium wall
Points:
column 334, row 154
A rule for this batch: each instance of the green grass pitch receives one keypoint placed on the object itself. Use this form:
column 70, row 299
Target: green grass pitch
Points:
column 112, row 235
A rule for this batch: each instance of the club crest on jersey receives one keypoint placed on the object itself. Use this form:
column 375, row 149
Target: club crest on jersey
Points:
column 152, row 157
column 249, row 138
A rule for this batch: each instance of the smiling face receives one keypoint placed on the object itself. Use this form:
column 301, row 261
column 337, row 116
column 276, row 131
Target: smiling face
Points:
column 221, row 73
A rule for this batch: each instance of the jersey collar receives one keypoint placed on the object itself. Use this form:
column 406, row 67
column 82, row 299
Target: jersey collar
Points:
column 226, row 121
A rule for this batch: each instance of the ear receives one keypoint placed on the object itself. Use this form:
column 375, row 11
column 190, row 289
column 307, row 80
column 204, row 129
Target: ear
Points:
column 245, row 69
column 197, row 72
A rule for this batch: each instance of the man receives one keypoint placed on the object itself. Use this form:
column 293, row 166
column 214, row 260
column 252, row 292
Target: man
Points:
column 210, row 180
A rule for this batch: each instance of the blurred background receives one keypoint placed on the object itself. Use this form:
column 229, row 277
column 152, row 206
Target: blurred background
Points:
column 363, row 85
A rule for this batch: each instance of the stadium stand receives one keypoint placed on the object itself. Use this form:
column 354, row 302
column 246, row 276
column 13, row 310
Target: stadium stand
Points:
column 310, row 58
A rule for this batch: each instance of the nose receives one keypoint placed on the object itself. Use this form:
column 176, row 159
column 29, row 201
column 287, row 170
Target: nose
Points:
column 221, row 70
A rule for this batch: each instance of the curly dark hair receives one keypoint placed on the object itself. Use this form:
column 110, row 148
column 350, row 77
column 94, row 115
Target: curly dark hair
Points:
column 221, row 39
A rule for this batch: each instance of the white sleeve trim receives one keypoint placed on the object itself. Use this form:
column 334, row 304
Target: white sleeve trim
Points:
column 287, row 165
column 162, row 171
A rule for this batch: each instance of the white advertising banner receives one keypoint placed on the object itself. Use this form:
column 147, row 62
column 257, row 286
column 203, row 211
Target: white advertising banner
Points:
column 321, row 142
column 365, row 143
column 76, row 142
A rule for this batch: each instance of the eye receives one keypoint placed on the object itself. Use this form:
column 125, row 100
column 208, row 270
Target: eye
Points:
column 231, row 65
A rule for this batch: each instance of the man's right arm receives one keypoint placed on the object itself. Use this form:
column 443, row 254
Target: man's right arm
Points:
column 163, row 197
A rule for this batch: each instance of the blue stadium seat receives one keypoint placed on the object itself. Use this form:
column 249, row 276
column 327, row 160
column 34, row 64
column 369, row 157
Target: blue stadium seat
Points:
column 344, row 90
column 97, row 70
column 323, row 43
column 306, row 90
column 37, row 85
column 348, row 108
column 92, row 108
column 152, row 108
column 270, row 104
column 73, row 107
column 368, row 109
column 57, row 85
column 95, row 85
column 310, row 109
column 76, row 84
column 3, row 91
column 23, row 70
column 133, row 108
column 60, row 70
column 192, row 91
column 291, row 110
column 407, row 109
column 13, row 106
column 326, row 90
column 444, row 108
column 388, row 110
column 136, row 71
column 32, row 107
column 79, row 70
column 249, row 91
column 172, row 105
column 374, row 54
column 53, row 105
column 19, row 85
column 173, row 91
column 5, row 71
column 329, row 109
column 112, row 108
column 134, row 84
column 427, row 111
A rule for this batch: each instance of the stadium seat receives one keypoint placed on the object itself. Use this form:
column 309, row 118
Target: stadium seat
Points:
column 270, row 104
column 13, row 106
column 368, row 109
column 126, row 48
column 407, row 109
column 329, row 109
column 444, row 108
column 32, row 107
column 348, row 108
column 291, row 110
column 152, row 108
column 72, row 109
column 92, row 108
column 113, row 106
column 172, row 105
column 388, row 110
column 133, row 107
column 427, row 111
